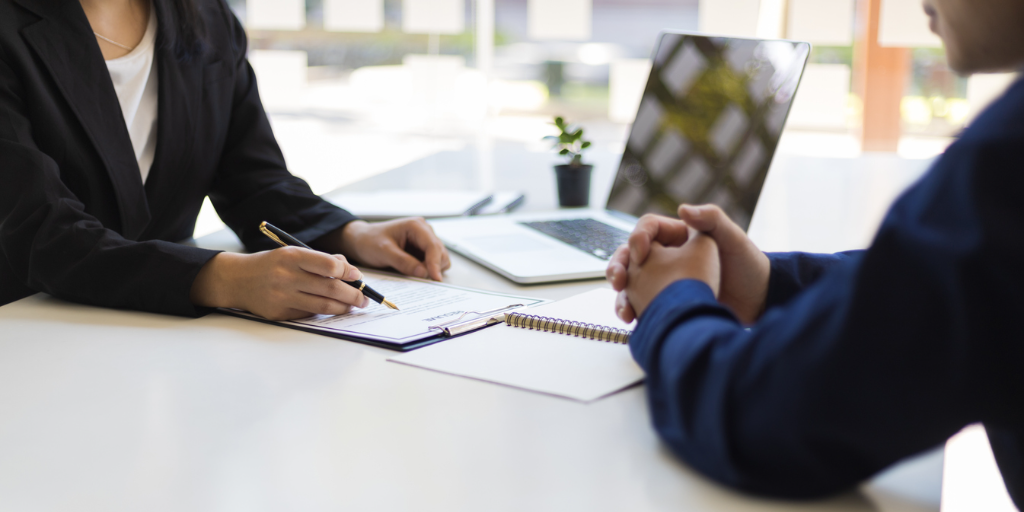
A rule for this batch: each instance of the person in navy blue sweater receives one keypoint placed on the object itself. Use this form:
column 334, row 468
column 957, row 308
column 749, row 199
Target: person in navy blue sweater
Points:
column 799, row 375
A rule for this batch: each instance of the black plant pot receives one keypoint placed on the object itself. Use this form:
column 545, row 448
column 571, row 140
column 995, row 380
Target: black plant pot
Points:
column 573, row 185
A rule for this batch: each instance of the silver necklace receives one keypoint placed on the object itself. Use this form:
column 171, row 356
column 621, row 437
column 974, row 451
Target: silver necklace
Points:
column 111, row 41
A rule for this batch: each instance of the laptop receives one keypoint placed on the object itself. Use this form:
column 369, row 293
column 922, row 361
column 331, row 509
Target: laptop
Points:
column 705, row 132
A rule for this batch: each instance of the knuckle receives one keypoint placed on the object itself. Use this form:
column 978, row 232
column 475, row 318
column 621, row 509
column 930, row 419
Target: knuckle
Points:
column 323, row 306
column 649, row 221
column 278, row 297
column 336, row 268
column 334, row 287
column 279, row 276
column 289, row 253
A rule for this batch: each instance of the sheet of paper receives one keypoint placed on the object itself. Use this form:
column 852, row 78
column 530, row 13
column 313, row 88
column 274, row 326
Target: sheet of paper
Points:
column 392, row 204
column 422, row 304
column 502, row 202
column 555, row 364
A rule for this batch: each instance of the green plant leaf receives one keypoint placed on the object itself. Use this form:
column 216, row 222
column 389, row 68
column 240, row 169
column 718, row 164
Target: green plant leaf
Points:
column 559, row 122
column 563, row 152
column 586, row 144
column 565, row 138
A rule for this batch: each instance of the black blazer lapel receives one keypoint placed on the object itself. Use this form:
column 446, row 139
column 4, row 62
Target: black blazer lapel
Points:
column 180, row 91
column 64, row 42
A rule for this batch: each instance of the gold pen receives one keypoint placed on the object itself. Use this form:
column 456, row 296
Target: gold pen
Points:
column 284, row 240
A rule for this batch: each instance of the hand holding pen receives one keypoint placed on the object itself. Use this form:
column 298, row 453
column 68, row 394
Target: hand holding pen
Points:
column 284, row 240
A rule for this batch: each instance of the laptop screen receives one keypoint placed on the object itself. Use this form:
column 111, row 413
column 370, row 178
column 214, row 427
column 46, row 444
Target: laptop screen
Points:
column 708, row 124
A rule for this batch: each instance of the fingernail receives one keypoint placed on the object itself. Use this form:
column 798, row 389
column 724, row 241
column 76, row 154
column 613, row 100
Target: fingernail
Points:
column 420, row 272
column 353, row 274
column 692, row 211
column 366, row 303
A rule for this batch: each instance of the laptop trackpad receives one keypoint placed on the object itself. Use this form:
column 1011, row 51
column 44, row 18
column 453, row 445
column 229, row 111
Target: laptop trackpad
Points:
column 508, row 243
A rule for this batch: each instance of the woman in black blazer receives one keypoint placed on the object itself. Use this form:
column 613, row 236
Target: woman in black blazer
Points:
column 77, row 220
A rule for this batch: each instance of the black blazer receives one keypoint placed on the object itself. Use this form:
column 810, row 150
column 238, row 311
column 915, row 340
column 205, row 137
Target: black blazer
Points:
column 76, row 220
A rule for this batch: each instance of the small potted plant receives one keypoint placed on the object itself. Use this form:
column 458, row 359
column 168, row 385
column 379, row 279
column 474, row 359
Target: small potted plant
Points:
column 574, row 177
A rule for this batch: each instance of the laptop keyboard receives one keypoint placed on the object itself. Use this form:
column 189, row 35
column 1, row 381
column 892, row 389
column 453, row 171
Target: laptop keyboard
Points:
column 588, row 235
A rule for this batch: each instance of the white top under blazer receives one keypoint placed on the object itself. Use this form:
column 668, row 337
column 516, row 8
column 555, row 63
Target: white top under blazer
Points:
column 135, row 82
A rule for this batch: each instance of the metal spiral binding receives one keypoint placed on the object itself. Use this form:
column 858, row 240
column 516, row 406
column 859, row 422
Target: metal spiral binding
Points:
column 568, row 327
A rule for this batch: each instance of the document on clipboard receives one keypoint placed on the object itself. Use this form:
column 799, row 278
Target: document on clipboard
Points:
column 430, row 312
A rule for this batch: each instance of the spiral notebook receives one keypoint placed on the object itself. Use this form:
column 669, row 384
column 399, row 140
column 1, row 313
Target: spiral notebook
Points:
column 574, row 348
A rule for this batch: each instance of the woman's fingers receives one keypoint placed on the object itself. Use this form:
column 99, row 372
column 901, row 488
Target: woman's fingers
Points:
column 334, row 289
column 396, row 257
column 318, row 304
column 321, row 264
column 389, row 244
column 435, row 256
column 317, row 280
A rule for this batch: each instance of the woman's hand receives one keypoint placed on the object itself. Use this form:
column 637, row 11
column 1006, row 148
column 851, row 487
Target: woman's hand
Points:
column 697, row 258
column 282, row 284
column 407, row 245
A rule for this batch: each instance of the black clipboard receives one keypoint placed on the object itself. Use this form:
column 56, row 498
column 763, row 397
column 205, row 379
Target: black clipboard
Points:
column 445, row 331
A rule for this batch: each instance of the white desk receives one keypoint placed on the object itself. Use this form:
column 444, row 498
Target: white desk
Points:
column 122, row 411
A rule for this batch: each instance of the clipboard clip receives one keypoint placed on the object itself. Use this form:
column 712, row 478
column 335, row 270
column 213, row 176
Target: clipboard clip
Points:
column 458, row 326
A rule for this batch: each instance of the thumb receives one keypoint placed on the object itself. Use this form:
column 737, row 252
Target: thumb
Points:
column 712, row 221
column 403, row 261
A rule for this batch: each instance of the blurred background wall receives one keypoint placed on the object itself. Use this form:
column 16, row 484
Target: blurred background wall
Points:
column 358, row 87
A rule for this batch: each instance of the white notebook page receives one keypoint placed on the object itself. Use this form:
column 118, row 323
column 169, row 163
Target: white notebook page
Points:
column 555, row 364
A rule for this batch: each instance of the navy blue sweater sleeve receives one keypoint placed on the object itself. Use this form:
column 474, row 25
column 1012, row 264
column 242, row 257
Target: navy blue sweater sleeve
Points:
column 791, row 272
column 888, row 353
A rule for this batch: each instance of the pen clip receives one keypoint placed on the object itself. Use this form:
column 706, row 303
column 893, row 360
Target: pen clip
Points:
column 458, row 326
column 269, row 233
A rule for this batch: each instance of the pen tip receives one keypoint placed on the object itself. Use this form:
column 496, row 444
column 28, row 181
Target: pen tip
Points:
column 390, row 304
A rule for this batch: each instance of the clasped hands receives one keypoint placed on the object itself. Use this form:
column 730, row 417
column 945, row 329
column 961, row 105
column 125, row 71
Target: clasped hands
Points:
column 703, row 244
column 292, row 282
